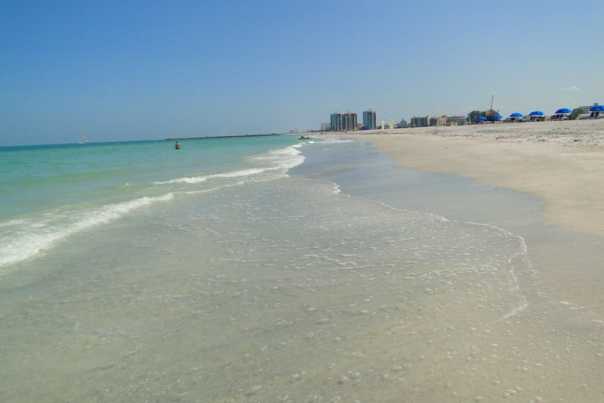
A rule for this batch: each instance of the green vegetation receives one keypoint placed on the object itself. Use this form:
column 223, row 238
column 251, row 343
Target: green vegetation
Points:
column 578, row 111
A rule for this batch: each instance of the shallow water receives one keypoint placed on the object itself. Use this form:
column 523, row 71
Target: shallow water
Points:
column 320, row 286
column 50, row 193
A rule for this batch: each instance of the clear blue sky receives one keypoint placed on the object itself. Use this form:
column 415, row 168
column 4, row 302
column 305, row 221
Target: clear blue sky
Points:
column 116, row 70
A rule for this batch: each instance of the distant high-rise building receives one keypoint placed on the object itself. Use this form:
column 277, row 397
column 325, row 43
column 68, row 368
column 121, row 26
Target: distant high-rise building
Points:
column 420, row 121
column 336, row 124
column 369, row 120
column 343, row 122
column 349, row 121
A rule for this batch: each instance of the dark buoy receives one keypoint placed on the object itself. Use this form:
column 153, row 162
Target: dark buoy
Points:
column 176, row 146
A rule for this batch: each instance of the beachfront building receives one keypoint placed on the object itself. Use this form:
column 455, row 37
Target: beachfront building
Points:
column 403, row 124
column 420, row 121
column 369, row 120
column 432, row 121
column 339, row 122
column 492, row 116
column 474, row 117
column 441, row 121
column 349, row 121
column 386, row 125
column 335, row 122
column 325, row 127
column 456, row 120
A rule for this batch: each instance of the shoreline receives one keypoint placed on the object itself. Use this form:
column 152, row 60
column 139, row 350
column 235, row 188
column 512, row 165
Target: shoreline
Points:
column 561, row 163
column 556, row 282
column 360, row 291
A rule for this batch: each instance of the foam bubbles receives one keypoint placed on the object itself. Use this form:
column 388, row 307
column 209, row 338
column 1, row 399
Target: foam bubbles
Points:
column 275, row 161
column 201, row 179
column 35, row 237
column 21, row 239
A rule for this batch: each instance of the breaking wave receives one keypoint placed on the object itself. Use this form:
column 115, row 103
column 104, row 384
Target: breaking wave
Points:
column 24, row 238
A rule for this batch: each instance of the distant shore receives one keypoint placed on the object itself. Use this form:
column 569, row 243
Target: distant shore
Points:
column 234, row 136
column 562, row 163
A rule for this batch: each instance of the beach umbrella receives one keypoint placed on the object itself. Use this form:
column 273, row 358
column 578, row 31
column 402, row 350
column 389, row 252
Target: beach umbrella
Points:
column 563, row 110
column 597, row 108
column 516, row 115
column 536, row 114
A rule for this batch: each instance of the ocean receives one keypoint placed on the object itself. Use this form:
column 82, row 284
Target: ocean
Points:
column 52, row 192
column 263, row 270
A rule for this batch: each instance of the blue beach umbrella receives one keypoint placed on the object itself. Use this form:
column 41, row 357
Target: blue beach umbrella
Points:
column 537, row 114
column 563, row 110
column 597, row 108
column 516, row 115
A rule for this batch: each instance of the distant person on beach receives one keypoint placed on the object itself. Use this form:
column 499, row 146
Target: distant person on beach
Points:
column 176, row 146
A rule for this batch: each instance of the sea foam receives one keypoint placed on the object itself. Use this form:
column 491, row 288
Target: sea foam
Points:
column 22, row 239
column 201, row 179
column 34, row 237
column 277, row 161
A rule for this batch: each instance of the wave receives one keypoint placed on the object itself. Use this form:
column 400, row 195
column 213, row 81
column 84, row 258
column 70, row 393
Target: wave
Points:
column 335, row 141
column 284, row 158
column 279, row 161
column 26, row 238
column 39, row 236
column 200, row 179
column 11, row 223
column 521, row 255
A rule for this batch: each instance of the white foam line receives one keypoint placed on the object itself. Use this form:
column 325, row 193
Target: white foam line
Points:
column 334, row 141
column 11, row 223
column 42, row 236
column 282, row 159
column 523, row 253
column 20, row 248
column 337, row 190
column 202, row 191
column 200, row 179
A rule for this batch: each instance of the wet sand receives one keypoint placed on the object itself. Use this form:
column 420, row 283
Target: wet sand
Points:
column 560, row 166
column 559, row 162
column 548, row 349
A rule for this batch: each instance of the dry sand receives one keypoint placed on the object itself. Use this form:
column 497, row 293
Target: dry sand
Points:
column 559, row 162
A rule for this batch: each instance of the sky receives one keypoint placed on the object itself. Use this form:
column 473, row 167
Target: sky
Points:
column 122, row 70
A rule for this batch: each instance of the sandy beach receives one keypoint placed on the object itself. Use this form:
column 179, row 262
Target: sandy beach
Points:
column 319, row 272
column 559, row 162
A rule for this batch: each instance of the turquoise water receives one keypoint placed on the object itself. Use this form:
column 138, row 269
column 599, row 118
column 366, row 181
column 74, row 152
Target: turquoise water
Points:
column 51, row 192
